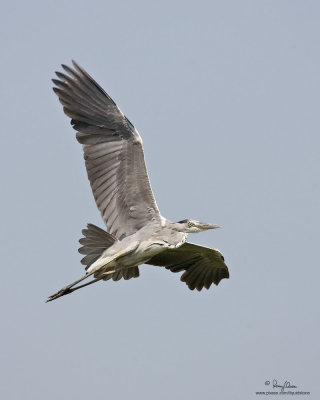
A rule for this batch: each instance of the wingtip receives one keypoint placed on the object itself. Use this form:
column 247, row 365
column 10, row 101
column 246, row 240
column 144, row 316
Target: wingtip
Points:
column 78, row 68
column 69, row 70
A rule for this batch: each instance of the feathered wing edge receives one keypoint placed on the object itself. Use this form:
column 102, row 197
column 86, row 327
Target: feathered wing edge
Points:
column 202, row 266
column 113, row 153
column 94, row 243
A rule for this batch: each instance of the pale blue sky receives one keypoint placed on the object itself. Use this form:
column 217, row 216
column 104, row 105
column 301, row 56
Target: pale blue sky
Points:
column 226, row 97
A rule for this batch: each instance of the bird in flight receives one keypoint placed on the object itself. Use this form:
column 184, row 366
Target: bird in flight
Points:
column 136, row 231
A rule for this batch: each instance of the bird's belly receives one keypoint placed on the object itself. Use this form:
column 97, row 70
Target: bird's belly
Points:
column 141, row 255
column 136, row 253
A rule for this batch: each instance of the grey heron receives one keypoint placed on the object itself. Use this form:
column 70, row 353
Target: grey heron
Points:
column 136, row 231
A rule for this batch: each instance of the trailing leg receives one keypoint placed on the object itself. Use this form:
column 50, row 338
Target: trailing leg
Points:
column 67, row 289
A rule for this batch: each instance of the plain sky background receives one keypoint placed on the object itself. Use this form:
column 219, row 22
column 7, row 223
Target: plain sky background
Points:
column 226, row 97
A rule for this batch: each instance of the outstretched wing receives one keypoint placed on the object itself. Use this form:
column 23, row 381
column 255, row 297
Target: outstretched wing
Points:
column 202, row 265
column 113, row 153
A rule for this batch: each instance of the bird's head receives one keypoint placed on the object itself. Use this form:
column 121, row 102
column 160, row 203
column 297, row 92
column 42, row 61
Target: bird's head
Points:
column 193, row 226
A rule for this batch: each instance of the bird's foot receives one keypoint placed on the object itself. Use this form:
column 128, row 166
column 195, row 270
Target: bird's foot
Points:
column 62, row 292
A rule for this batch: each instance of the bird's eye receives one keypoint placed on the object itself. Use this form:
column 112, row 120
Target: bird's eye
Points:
column 190, row 224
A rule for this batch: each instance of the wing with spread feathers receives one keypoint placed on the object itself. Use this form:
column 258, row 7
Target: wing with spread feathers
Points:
column 113, row 153
column 202, row 266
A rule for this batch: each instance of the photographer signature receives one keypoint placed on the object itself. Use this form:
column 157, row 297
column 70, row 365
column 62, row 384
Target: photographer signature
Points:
column 286, row 385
